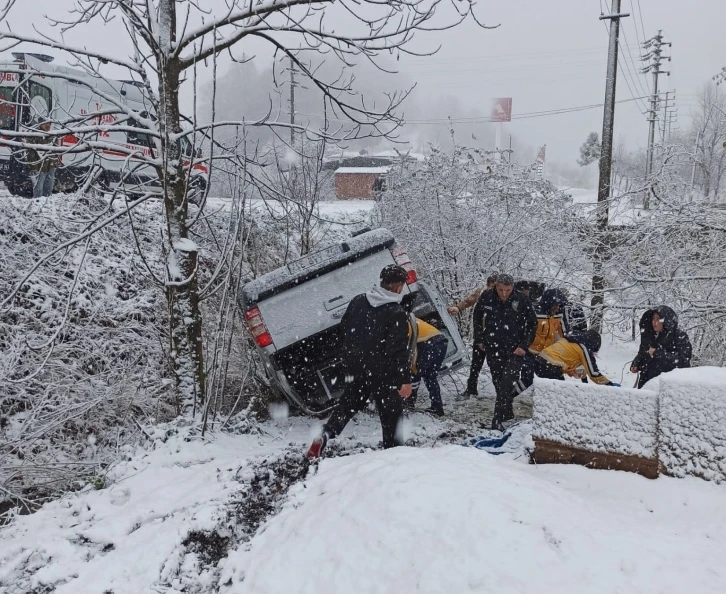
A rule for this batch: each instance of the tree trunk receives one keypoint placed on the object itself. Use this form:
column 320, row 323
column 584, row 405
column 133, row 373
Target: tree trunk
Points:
column 182, row 291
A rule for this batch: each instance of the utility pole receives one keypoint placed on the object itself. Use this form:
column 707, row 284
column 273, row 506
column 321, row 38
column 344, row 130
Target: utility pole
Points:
column 670, row 115
column 695, row 160
column 292, row 103
column 606, row 165
column 654, row 48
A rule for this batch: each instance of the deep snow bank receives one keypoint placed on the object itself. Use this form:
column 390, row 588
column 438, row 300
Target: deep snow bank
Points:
column 596, row 418
column 456, row 519
column 693, row 422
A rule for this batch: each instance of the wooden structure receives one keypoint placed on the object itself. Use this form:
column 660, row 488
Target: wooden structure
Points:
column 360, row 183
column 551, row 452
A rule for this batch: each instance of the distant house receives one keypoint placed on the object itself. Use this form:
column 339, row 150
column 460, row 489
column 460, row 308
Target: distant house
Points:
column 360, row 183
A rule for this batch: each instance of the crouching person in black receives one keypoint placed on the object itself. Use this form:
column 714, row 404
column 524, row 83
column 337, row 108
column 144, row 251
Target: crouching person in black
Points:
column 376, row 346
column 663, row 345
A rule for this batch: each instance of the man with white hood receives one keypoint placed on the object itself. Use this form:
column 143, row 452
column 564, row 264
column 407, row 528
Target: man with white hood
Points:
column 376, row 348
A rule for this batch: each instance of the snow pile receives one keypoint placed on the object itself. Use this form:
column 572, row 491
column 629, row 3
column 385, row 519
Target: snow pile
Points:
column 693, row 422
column 596, row 418
column 455, row 519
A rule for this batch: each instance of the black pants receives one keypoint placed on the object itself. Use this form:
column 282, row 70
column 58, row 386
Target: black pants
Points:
column 536, row 365
column 354, row 399
column 477, row 362
column 650, row 370
column 505, row 375
column 431, row 355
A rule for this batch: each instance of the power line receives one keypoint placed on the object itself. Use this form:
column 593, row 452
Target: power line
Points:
column 546, row 56
column 627, row 75
column 642, row 23
column 486, row 120
column 641, row 87
column 518, row 68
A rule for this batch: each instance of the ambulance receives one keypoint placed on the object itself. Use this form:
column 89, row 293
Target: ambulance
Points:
column 34, row 89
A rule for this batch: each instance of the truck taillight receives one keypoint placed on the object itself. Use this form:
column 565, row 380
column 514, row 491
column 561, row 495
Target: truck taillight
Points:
column 402, row 259
column 257, row 327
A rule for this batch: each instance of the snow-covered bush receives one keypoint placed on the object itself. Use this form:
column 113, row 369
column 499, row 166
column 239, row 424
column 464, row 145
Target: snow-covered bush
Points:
column 84, row 336
column 460, row 223
column 81, row 352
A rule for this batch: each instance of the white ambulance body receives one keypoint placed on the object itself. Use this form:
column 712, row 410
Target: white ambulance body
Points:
column 33, row 89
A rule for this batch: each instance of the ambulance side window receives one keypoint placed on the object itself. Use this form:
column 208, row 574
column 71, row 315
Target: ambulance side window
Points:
column 139, row 138
column 39, row 103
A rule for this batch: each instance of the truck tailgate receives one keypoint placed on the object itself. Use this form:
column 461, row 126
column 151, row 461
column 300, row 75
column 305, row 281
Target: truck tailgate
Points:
column 313, row 306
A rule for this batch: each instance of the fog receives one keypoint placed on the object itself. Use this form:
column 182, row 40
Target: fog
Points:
column 546, row 56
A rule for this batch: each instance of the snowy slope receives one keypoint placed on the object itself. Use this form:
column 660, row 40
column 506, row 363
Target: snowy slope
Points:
column 434, row 518
column 429, row 519
column 454, row 519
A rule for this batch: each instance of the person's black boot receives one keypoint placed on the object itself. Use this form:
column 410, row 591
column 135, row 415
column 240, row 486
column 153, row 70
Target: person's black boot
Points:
column 437, row 412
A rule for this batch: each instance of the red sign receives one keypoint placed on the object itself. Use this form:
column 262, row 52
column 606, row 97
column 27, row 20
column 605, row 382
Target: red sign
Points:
column 502, row 110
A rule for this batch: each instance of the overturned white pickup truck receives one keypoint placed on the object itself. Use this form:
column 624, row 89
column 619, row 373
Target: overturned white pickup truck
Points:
column 293, row 314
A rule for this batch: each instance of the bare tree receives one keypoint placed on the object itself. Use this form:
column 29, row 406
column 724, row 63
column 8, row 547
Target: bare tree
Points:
column 709, row 134
column 170, row 40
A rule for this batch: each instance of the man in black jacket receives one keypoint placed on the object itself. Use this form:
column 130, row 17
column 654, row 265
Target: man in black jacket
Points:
column 504, row 327
column 663, row 345
column 376, row 340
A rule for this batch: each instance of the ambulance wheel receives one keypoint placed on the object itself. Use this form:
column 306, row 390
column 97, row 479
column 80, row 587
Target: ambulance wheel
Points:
column 22, row 190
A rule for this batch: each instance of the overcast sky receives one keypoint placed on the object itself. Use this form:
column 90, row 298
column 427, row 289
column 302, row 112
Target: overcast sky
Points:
column 545, row 55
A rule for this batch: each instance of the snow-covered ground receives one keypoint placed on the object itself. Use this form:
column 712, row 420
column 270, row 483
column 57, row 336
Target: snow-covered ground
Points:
column 328, row 209
column 454, row 519
column 246, row 514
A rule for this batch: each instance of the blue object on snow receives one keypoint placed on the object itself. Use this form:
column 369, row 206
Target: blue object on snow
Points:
column 484, row 443
column 614, row 384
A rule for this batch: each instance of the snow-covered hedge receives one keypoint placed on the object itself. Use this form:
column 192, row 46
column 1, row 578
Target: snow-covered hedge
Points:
column 84, row 341
column 693, row 422
column 596, row 418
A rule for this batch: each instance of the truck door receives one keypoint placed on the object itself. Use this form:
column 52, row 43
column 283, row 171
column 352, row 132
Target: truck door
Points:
column 456, row 353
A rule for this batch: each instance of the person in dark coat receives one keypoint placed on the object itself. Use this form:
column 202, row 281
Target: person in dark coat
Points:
column 663, row 345
column 41, row 163
column 574, row 314
column 478, row 355
column 376, row 339
column 504, row 326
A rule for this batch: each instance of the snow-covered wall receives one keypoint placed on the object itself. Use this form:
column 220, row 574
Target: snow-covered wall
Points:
column 693, row 422
column 596, row 418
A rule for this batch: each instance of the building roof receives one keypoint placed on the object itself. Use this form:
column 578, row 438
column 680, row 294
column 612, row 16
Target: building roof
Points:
column 363, row 170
